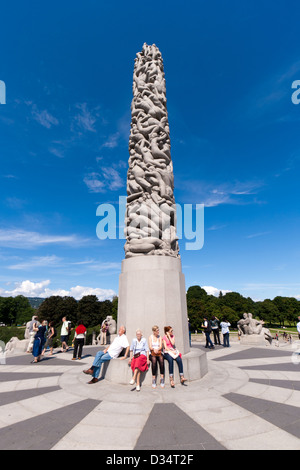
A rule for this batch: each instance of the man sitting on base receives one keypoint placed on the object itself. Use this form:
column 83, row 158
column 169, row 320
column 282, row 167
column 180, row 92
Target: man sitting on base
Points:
column 112, row 352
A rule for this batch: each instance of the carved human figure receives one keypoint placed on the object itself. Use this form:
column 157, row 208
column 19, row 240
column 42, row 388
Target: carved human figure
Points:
column 150, row 223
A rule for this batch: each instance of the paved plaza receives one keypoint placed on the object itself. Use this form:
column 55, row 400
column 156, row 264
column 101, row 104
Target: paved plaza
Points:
column 250, row 399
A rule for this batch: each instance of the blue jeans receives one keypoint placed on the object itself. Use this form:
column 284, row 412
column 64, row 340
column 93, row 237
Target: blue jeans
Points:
column 226, row 340
column 98, row 361
column 209, row 343
column 171, row 364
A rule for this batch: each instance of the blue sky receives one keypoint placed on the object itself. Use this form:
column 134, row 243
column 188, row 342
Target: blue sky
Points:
column 64, row 132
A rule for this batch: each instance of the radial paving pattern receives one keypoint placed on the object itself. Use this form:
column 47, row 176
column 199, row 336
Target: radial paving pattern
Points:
column 250, row 399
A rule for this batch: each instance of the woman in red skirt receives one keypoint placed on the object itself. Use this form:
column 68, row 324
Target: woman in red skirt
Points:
column 139, row 358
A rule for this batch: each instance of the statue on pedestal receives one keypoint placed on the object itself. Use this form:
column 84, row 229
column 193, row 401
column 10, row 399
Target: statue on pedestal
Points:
column 250, row 326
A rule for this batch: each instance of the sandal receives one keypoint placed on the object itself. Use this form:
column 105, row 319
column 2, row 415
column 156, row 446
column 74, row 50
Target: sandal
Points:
column 182, row 380
column 172, row 383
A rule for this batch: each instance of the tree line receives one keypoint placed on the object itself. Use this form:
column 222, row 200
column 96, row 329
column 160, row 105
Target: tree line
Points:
column 232, row 305
column 92, row 311
column 89, row 309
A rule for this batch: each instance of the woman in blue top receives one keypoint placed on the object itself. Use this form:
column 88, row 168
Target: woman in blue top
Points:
column 139, row 358
column 39, row 340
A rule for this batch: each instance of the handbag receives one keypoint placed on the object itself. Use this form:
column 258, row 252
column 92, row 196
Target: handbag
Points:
column 174, row 354
column 155, row 354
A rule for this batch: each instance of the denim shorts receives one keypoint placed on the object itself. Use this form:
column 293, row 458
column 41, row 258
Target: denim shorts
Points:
column 64, row 339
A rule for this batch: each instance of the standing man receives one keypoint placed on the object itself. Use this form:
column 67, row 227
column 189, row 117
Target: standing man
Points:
column 112, row 352
column 64, row 334
column 190, row 332
column 215, row 329
column 225, row 332
column 298, row 327
column 207, row 330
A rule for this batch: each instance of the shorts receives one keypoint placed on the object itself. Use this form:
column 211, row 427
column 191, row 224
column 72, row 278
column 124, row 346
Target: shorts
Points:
column 64, row 339
column 49, row 343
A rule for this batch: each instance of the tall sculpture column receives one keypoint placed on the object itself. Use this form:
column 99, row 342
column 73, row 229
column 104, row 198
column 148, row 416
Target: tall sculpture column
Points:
column 152, row 286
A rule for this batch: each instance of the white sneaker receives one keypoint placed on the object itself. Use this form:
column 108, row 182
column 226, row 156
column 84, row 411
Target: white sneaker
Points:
column 131, row 382
column 138, row 389
column 153, row 384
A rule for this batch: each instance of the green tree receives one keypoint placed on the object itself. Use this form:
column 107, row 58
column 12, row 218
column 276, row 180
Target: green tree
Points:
column 114, row 308
column 89, row 310
column 54, row 308
column 15, row 310
column 24, row 311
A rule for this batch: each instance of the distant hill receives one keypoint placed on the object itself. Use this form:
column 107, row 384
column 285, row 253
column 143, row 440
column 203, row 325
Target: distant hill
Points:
column 35, row 302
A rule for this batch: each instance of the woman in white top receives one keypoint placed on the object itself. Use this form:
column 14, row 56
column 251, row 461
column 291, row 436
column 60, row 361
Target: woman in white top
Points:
column 155, row 346
column 139, row 358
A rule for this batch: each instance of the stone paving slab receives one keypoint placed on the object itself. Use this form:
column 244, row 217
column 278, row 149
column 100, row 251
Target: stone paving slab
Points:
column 249, row 399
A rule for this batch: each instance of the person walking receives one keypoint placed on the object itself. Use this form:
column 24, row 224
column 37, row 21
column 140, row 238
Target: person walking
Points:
column 215, row 329
column 190, row 333
column 298, row 327
column 50, row 337
column 64, row 334
column 207, row 330
column 80, row 334
column 104, row 328
column 156, row 356
column 225, row 332
column 39, row 340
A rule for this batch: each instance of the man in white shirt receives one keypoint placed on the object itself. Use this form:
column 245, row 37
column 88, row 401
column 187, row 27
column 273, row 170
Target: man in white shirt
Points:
column 225, row 332
column 298, row 327
column 64, row 335
column 112, row 352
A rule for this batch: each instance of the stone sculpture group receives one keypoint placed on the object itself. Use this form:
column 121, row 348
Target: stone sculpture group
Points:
column 250, row 326
column 151, row 213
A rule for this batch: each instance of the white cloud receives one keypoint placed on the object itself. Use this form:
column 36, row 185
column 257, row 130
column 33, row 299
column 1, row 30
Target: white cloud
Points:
column 227, row 193
column 94, row 183
column 15, row 203
column 36, row 262
column 27, row 288
column 113, row 178
column 44, row 117
column 108, row 179
column 214, row 290
column 41, row 289
column 260, row 234
column 112, row 141
column 14, row 238
column 85, row 119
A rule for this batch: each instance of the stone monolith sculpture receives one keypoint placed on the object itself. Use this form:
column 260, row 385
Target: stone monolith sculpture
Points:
column 152, row 285
column 151, row 212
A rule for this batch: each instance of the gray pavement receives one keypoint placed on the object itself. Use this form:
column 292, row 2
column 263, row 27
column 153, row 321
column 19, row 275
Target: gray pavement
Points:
column 249, row 400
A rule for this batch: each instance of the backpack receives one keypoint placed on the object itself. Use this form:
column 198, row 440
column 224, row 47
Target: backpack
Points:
column 208, row 328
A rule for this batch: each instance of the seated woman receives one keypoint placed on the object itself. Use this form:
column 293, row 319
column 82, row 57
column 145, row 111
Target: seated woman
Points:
column 139, row 358
column 171, row 354
column 155, row 346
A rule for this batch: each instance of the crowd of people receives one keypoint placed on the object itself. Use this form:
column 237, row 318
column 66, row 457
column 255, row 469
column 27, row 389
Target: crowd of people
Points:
column 141, row 353
column 41, row 336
